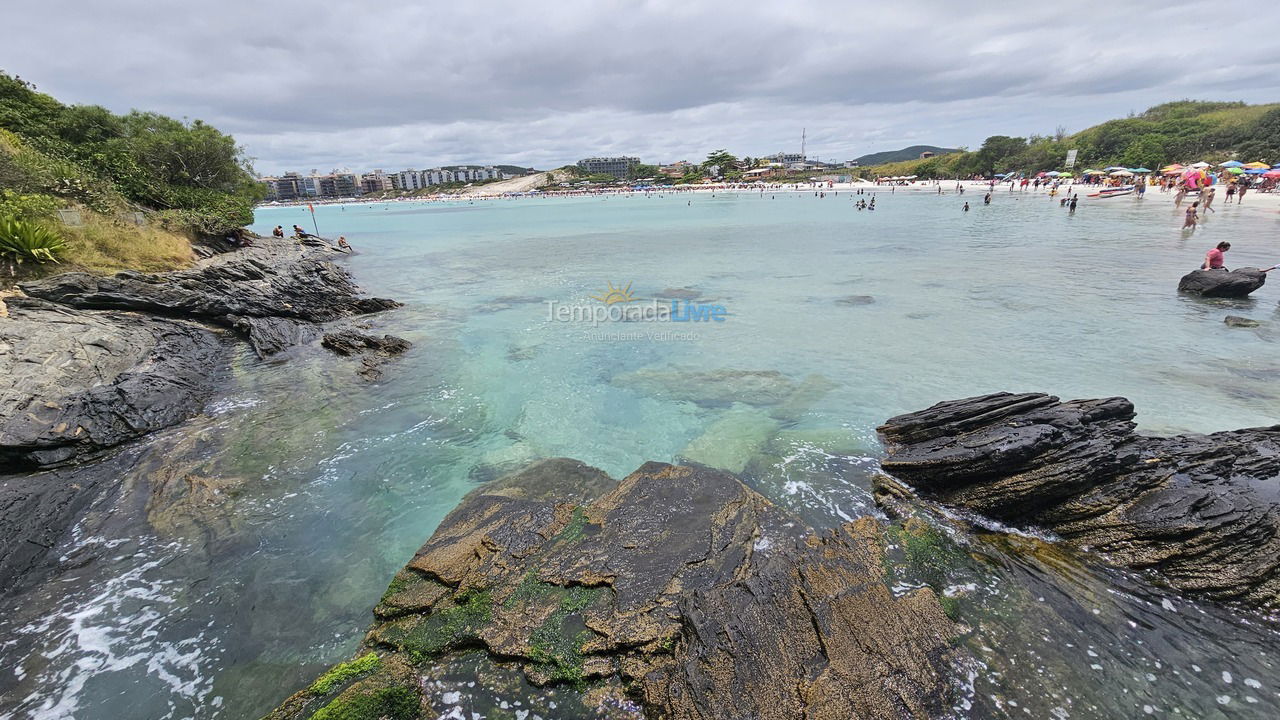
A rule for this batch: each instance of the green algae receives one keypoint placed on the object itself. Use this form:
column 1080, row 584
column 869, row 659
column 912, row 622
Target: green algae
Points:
column 396, row 703
column 575, row 529
column 342, row 672
column 556, row 645
column 449, row 628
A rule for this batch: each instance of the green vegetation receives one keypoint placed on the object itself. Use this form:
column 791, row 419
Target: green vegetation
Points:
column 22, row 240
column 1183, row 131
column 575, row 528
column 556, row 645
column 395, row 703
column 185, row 178
column 903, row 155
column 449, row 628
column 343, row 672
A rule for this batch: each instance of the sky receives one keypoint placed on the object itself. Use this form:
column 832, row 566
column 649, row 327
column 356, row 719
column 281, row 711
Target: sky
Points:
column 398, row 85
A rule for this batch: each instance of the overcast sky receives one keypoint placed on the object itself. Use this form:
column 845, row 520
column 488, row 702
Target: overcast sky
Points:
column 397, row 85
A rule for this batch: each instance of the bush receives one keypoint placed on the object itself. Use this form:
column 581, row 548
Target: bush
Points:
column 23, row 240
column 27, row 207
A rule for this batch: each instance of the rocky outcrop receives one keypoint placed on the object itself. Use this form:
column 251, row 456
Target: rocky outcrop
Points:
column 96, row 361
column 1201, row 511
column 274, row 278
column 79, row 381
column 375, row 350
column 1220, row 283
column 678, row 593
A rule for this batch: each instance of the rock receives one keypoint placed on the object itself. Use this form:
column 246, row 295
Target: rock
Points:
column 271, row 335
column 81, row 381
column 1237, row 283
column 270, row 279
column 678, row 591
column 1237, row 321
column 350, row 342
column 1202, row 511
column 723, row 388
column 36, row 512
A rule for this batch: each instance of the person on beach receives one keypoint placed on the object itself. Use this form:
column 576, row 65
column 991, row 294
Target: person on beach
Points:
column 1192, row 216
column 278, row 232
column 1207, row 196
column 342, row 243
column 1075, row 199
column 986, row 199
column 1182, row 194
column 1244, row 185
column 1231, row 192
column 1213, row 260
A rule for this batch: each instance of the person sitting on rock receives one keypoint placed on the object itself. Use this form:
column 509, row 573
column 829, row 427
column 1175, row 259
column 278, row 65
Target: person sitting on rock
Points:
column 342, row 243
column 1213, row 260
column 278, row 232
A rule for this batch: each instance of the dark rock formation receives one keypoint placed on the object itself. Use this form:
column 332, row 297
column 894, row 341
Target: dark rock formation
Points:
column 1237, row 283
column 350, row 342
column 270, row 279
column 1203, row 511
column 1237, row 321
column 271, row 335
column 79, row 381
column 678, row 590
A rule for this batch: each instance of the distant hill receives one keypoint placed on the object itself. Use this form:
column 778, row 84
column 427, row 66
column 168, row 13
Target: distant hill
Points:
column 907, row 153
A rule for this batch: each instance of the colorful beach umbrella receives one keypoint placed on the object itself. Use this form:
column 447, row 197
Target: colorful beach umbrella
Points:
column 1114, row 167
column 1171, row 168
column 1272, row 173
column 1257, row 166
column 1255, row 170
column 1066, row 175
column 1121, row 173
column 1235, row 170
column 1139, row 170
column 1054, row 173
column 1231, row 164
column 1201, row 164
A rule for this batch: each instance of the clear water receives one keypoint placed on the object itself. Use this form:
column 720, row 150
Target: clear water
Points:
column 245, row 549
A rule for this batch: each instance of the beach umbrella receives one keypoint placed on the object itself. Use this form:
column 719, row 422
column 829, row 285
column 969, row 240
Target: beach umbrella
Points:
column 1200, row 164
column 1257, row 166
column 1139, row 170
column 1121, row 173
column 1053, row 173
column 1114, row 167
column 1254, row 171
column 1235, row 170
column 1066, row 175
column 1231, row 164
column 1272, row 173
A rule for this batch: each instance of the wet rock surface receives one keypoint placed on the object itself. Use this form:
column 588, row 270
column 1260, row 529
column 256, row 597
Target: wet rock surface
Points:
column 677, row 593
column 375, row 350
column 1200, row 511
column 1243, row 322
column 1219, row 283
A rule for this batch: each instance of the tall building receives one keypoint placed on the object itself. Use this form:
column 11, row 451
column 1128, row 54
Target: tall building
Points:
column 619, row 167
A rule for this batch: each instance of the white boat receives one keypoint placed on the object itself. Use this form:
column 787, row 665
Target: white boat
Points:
column 1113, row 191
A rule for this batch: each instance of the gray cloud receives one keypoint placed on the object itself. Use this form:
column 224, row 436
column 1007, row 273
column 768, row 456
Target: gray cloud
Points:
column 399, row 84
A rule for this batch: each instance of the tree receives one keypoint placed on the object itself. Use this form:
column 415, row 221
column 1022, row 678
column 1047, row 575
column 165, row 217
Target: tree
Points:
column 642, row 171
column 1147, row 151
column 721, row 160
column 997, row 151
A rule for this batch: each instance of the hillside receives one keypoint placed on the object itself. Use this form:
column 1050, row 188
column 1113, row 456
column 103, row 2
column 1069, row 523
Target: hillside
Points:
column 905, row 154
column 1185, row 131
column 136, row 188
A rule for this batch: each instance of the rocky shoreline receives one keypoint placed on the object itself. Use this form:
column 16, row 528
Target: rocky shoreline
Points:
column 99, row 361
column 1201, row 513
column 678, row 593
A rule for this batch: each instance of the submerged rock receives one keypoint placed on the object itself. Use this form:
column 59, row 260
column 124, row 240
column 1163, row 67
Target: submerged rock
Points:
column 1237, row 283
column 350, row 342
column 1237, row 321
column 677, row 593
column 1203, row 511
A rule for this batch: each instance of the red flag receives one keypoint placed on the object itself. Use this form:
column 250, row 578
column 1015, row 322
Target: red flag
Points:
column 311, row 208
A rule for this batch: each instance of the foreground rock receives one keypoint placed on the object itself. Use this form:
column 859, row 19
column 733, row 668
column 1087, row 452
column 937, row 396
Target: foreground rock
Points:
column 78, row 381
column 1218, row 283
column 677, row 593
column 1203, row 511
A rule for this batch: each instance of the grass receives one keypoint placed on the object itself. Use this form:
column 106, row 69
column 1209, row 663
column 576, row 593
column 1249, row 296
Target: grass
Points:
column 342, row 672
column 103, row 246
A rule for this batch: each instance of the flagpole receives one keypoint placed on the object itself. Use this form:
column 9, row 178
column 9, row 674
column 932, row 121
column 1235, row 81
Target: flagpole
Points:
column 312, row 208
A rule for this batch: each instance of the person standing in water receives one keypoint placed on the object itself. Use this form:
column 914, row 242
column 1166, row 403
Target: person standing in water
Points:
column 1207, row 196
column 1074, row 200
column 966, row 207
column 1192, row 216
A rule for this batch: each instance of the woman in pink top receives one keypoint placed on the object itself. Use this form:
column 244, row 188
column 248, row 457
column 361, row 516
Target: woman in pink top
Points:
column 1213, row 259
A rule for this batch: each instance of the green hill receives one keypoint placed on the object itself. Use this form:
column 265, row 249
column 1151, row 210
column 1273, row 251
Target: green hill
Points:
column 905, row 154
column 1185, row 131
column 143, row 184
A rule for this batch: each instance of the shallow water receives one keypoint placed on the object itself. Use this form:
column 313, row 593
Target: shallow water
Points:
column 302, row 489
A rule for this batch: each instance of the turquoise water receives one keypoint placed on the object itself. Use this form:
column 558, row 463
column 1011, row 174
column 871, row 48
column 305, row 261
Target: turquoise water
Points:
column 220, row 602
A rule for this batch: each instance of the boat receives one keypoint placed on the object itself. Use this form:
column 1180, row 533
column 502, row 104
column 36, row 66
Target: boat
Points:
column 1113, row 191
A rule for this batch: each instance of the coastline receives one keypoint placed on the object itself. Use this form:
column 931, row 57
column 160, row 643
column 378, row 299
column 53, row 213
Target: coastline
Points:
column 134, row 354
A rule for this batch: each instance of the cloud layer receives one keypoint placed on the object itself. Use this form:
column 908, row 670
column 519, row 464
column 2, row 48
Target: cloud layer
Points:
column 399, row 84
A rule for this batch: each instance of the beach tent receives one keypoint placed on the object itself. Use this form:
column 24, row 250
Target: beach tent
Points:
column 1231, row 164
column 1257, row 166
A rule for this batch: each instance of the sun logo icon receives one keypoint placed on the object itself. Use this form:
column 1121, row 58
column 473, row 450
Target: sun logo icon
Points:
column 615, row 295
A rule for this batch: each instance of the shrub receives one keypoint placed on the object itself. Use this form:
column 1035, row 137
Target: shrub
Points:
column 28, row 240
column 32, row 206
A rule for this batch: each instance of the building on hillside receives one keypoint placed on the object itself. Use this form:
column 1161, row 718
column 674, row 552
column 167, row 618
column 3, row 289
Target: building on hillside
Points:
column 785, row 159
column 849, row 164
column 619, row 167
column 927, row 154
column 675, row 169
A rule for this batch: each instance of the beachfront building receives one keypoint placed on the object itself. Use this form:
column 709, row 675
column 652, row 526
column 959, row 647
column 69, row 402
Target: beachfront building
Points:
column 675, row 169
column 410, row 180
column 785, row 159
column 619, row 167
column 376, row 181
column 289, row 186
